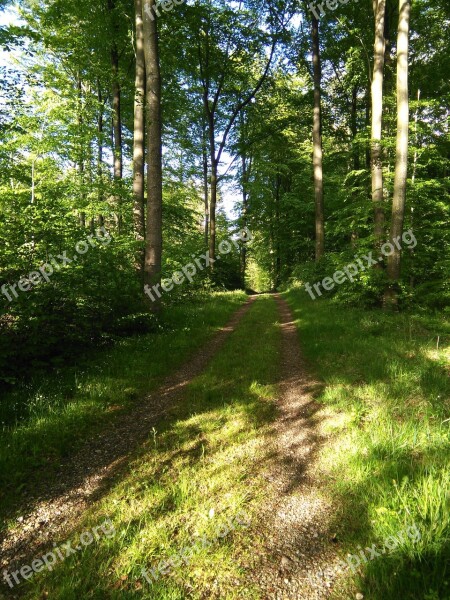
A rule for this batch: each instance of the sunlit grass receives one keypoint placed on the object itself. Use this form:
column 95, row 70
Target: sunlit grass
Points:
column 67, row 406
column 198, row 469
column 387, row 387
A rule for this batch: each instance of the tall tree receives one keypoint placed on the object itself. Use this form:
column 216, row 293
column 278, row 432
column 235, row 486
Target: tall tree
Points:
column 116, row 110
column 317, row 143
column 205, row 179
column 235, row 51
column 139, row 137
column 153, row 234
column 401, row 162
column 379, row 9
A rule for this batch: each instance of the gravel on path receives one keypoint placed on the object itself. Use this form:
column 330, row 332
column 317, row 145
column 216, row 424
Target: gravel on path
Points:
column 52, row 510
column 299, row 557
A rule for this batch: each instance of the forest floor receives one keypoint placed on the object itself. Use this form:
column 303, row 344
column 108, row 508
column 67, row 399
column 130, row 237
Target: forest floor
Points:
column 245, row 475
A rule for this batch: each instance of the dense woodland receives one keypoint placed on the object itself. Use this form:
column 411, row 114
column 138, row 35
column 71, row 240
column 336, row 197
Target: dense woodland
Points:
column 274, row 143
column 101, row 128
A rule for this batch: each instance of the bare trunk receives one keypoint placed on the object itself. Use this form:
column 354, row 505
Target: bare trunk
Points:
column 277, row 233
column 116, row 114
column 153, row 236
column 367, row 119
column 317, row 144
column 117, row 129
column 245, row 178
column 212, row 210
column 355, row 150
column 213, row 189
column 413, row 179
column 100, row 152
column 354, row 129
column 416, row 140
column 205, row 182
column 401, row 161
column 377, row 113
column 139, row 139
column 82, row 214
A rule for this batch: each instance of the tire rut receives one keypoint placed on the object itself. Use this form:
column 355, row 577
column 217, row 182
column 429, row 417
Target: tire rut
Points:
column 299, row 558
column 54, row 510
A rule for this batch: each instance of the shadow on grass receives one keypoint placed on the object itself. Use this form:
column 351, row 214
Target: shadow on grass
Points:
column 70, row 407
column 211, row 451
column 390, row 459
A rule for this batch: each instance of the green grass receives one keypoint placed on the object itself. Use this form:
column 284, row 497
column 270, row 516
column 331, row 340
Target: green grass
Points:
column 59, row 410
column 386, row 389
column 385, row 398
column 200, row 458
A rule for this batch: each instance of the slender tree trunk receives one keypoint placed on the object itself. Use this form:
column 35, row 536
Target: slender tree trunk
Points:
column 205, row 181
column 100, row 152
column 401, row 161
column 317, row 143
column 82, row 215
column 355, row 149
column 213, row 189
column 139, row 139
column 153, row 235
column 212, row 210
column 117, row 130
column 367, row 119
column 354, row 129
column 377, row 113
column 116, row 114
column 416, row 140
column 277, row 232
column 413, row 181
column 245, row 178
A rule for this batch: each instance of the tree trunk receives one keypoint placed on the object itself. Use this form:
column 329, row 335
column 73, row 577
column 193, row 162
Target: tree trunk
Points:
column 82, row 214
column 205, row 181
column 245, row 179
column 277, row 232
column 367, row 121
column 139, row 139
column 355, row 149
column 100, row 152
column 401, row 161
column 317, row 143
column 153, row 235
column 377, row 113
column 116, row 114
column 117, row 130
column 212, row 210
column 213, row 188
column 354, row 129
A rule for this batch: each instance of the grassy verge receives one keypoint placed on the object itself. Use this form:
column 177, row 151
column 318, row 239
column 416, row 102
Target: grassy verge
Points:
column 387, row 385
column 194, row 476
column 67, row 406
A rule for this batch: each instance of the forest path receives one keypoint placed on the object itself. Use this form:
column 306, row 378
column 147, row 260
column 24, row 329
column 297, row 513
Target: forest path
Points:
column 299, row 559
column 293, row 550
column 54, row 509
